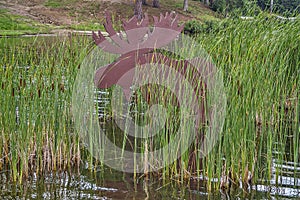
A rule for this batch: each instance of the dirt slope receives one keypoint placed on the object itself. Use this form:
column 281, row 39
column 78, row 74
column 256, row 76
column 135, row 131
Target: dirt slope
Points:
column 72, row 12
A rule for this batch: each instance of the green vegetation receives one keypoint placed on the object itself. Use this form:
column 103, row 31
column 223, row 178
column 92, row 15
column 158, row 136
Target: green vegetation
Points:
column 11, row 24
column 59, row 3
column 196, row 10
column 261, row 77
column 35, row 122
column 195, row 27
column 259, row 58
column 260, row 62
column 285, row 7
column 87, row 27
column 261, row 72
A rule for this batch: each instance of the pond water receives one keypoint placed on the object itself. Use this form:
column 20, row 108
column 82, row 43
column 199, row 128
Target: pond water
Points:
column 114, row 185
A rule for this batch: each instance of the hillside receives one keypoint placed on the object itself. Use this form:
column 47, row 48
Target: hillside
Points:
column 29, row 16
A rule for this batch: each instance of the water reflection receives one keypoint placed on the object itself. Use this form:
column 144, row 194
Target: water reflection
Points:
column 114, row 185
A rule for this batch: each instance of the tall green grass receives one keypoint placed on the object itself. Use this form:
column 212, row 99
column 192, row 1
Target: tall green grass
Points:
column 36, row 125
column 260, row 62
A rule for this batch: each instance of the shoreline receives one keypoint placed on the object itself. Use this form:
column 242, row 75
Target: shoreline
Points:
column 52, row 33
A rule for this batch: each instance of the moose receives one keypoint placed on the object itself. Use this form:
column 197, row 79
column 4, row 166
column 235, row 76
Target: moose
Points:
column 140, row 45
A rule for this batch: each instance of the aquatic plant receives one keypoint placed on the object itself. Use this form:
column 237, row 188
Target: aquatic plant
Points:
column 37, row 74
column 260, row 62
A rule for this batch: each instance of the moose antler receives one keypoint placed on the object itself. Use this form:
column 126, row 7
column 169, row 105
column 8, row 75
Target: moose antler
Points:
column 138, row 35
column 140, row 31
column 103, row 43
column 166, row 25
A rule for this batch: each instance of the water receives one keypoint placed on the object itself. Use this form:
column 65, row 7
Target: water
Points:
column 115, row 185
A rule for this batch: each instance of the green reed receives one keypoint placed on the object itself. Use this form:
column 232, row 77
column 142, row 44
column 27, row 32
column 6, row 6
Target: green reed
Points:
column 261, row 72
column 260, row 64
column 259, row 61
column 37, row 74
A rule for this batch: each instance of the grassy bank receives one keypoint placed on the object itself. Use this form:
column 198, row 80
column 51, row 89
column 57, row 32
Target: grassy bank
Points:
column 260, row 62
column 27, row 17
column 12, row 24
